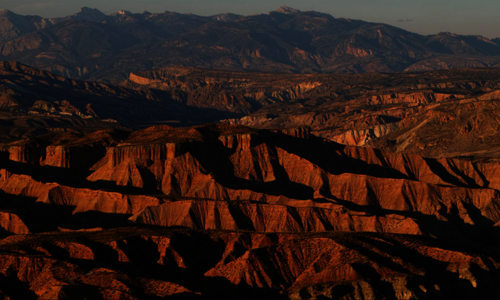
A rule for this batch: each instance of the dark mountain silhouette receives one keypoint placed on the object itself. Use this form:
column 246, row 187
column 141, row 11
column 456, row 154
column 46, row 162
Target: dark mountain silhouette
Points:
column 91, row 45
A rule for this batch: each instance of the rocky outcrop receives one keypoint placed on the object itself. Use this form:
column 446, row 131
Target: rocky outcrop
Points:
column 12, row 223
column 83, row 200
column 47, row 100
column 23, row 185
column 79, row 157
column 64, row 206
column 334, row 260
column 361, row 137
column 218, row 215
column 350, row 109
column 411, row 98
column 321, row 265
column 252, row 167
column 218, row 210
column 141, row 80
column 29, row 154
column 464, row 129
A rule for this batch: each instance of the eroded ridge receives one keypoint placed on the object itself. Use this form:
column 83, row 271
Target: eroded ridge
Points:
column 260, row 213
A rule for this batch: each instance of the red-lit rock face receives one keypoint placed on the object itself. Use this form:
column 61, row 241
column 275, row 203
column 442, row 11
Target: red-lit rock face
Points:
column 220, row 210
column 90, row 208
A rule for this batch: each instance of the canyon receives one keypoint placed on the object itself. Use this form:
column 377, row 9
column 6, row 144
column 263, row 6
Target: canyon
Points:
column 214, row 211
column 419, row 113
column 194, row 183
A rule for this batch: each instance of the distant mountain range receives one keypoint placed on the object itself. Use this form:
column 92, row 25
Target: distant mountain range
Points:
column 91, row 45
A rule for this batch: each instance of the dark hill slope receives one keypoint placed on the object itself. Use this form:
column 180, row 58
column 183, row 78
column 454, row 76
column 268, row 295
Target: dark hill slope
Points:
column 89, row 45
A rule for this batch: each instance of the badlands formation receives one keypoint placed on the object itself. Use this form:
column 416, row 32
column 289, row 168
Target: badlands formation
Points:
column 216, row 211
column 272, row 186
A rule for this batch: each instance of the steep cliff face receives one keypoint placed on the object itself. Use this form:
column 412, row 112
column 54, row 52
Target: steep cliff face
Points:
column 72, row 157
column 44, row 206
column 83, row 200
column 325, row 265
column 251, row 166
column 270, row 214
column 219, row 215
column 12, row 223
column 26, row 153
column 213, row 163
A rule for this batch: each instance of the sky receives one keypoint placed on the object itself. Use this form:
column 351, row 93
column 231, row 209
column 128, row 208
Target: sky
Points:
column 470, row 17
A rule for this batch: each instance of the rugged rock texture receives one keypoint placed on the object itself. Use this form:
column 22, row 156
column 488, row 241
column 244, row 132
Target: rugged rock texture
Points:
column 217, row 210
column 12, row 223
column 467, row 128
column 268, row 214
column 349, row 109
column 361, row 137
column 411, row 113
column 307, row 217
column 188, row 264
column 92, row 206
column 91, row 45
column 34, row 102
column 269, row 167
column 436, row 114
column 237, row 92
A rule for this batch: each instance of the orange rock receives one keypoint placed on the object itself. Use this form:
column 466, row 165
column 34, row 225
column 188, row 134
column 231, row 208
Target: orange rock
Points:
column 13, row 223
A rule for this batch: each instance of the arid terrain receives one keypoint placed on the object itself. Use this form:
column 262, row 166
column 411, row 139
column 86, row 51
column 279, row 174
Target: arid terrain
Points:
column 216, row 211
column 91, row 45
column 364, row 186
column 287, row 155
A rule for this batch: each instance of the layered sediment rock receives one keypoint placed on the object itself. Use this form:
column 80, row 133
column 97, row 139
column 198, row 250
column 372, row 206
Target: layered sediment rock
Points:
column 218, row 215
column 301, row 266
column 12, row 223
column 361, row 137
column 275, row 214
column 252, row 167
column 72, row 157
column 26, row 154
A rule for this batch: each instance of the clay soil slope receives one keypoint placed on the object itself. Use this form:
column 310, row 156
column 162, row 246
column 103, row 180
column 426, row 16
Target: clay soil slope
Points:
column 450, row 113
column 225, row 211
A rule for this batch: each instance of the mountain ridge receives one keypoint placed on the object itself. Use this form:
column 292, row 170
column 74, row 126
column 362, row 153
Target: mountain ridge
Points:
column 284, row 40
column 148, row 156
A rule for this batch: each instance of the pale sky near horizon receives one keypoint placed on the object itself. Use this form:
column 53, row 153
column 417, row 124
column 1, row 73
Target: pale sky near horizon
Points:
column 472, row 17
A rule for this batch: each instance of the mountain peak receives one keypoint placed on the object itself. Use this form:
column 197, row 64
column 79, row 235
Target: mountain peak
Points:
column 89, row 11
column 287, row 10
column 89, row 14
column 226, row 17
column 446, row 33
column 86, row 9
column 123, row 12
column 4, row 12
